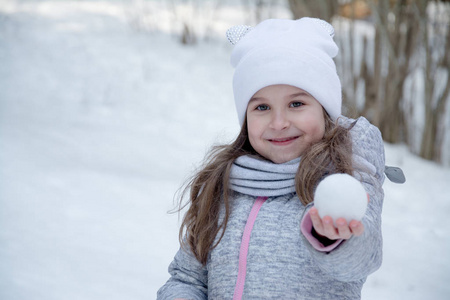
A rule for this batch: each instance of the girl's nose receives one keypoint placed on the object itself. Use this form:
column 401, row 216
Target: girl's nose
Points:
column 279, row 120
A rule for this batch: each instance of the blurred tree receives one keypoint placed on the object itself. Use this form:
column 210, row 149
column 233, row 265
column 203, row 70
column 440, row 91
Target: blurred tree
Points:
column 323, row 9
column 435, row 38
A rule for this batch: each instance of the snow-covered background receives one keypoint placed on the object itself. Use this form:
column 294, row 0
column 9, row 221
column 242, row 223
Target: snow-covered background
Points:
column 100, row 124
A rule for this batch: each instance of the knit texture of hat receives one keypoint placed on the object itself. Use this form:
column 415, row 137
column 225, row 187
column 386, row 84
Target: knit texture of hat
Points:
column 292, row 52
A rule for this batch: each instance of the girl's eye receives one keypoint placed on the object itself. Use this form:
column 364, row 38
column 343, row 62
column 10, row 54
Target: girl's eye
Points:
column 262, row 107
column 296, row 104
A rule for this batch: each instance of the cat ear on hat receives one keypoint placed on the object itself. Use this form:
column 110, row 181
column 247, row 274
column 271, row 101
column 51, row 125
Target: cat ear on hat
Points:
column 236, row 33
column 325, row 25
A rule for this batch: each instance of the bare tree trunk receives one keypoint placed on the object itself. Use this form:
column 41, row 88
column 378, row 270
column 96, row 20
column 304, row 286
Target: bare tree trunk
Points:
column 435, row 107
column 373, row 82
column 323, row 9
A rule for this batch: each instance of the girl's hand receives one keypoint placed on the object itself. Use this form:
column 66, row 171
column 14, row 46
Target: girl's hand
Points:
column 325, row 228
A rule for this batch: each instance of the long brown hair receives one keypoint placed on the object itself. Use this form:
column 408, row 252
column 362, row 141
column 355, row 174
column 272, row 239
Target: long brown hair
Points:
column 209, row 187
column 332, row 154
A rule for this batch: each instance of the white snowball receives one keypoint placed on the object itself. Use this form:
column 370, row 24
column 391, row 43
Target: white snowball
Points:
column 341, row 196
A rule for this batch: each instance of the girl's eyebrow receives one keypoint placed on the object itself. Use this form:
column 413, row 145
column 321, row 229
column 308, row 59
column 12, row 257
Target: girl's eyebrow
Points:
column 256, row 98
column 299, row 94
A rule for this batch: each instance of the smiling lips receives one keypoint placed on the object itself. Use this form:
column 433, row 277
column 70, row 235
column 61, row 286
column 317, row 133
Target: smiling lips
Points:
column 283, row 141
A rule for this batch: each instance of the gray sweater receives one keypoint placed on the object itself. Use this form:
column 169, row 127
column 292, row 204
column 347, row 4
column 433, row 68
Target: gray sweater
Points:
column 281, row 263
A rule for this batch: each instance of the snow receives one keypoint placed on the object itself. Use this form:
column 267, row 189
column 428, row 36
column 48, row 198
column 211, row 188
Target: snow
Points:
column 100, row 124
column 341, row 196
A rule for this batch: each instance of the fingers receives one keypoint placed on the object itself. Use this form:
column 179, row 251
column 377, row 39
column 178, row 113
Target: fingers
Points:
column 342, row 230
column 329, row 230
column 323, row 227
column 356, row 227
column 316, row 220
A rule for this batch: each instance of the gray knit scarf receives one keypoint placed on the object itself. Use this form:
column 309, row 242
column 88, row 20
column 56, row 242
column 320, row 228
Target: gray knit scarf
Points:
column 261, row 178
column 257, row 177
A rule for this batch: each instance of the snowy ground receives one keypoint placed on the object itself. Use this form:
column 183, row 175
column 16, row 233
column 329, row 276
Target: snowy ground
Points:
column 99, row 126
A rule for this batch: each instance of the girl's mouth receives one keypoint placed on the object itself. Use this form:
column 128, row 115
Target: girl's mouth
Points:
column 282, row 141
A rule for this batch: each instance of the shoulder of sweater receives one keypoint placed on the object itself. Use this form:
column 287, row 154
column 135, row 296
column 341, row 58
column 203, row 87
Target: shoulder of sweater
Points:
column 361, row 129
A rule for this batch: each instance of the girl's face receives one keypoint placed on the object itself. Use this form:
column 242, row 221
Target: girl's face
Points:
column 283, row 121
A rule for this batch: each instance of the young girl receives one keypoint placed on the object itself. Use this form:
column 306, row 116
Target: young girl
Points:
column 251, row 230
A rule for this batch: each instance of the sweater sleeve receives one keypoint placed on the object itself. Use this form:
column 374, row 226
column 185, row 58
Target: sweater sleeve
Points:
column 189, row 279
column 357, row 257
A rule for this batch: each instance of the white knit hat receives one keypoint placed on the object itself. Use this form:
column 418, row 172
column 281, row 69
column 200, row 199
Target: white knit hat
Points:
column 293, row 52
